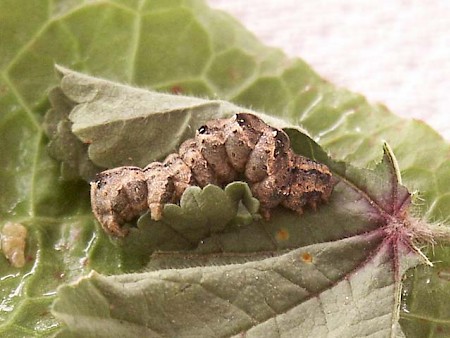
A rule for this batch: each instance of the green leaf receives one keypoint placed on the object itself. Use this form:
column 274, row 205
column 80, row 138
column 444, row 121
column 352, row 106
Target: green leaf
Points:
column 96, row 123
column 118, row 122
column 296, row 277
column 202, row 213
column 134, row 42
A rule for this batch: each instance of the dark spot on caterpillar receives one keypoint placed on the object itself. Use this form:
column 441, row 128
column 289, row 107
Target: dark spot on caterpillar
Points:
column 202, row 130
column 100, row 183
column 221, row 151
column 240, row 120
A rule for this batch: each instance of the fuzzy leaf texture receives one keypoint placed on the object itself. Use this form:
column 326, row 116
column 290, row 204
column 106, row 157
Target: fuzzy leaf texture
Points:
column 289, row 276
column 184, row 46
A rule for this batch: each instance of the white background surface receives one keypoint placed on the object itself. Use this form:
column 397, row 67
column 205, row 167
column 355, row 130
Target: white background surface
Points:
column 393, row 51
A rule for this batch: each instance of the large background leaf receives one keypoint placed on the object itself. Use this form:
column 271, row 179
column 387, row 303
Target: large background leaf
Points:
column 178, row 46
column 267, row 278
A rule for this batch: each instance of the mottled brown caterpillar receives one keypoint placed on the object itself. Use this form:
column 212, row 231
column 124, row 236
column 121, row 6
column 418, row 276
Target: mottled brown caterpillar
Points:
column 222, row 151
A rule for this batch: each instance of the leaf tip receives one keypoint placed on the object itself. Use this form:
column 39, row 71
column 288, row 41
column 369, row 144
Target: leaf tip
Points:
column 60, row 70
column 390, row 157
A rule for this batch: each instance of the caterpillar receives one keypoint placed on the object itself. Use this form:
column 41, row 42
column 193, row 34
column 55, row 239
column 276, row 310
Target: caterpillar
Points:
column 222, row 151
